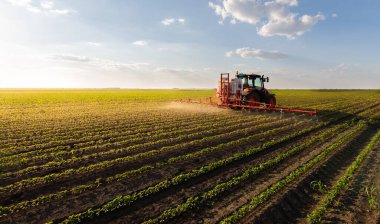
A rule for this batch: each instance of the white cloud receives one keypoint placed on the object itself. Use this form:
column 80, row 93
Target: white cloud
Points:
column 168, row 21
column 247, row 52
column 219, row 10
column 181, row 20
column 290, row 26
column 75, row 58
column 229, row 54
column 334, row 15
column 288, row 2
column 100, row 63
column 140, row 43
column 22, row 3
column 248, row 11
column 47, row 4
column 41, row 6
column 272, row 17
column 171, row 21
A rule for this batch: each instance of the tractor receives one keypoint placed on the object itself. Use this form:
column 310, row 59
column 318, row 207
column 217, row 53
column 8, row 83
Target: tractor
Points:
column 247, row 91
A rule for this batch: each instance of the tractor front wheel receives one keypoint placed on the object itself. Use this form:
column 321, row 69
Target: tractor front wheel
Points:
column 254, row 99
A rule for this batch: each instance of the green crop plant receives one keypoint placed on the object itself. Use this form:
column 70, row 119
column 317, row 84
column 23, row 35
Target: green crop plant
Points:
column 372, row 194
column 317, row 185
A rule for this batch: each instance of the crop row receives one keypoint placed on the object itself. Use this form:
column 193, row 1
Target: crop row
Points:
column 293, row 98
column 118, row 177
column 73, row 139
column 273, row 189
column 317, row 214
column 28, row 157
column 61, row 126
column 103, row 153
column 123, row 129
column 74, row 123
column 196, row 201
column 124, row 175
column 62, row 153
column 94, row 125
column 70, row 129
column 123, row 201
column 324, row 105
column 100, row 167
column 127, row 128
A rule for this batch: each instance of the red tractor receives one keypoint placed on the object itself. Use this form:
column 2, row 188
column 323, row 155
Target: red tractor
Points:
column 248, row 91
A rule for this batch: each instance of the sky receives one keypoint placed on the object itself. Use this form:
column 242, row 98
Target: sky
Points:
column 307, row 44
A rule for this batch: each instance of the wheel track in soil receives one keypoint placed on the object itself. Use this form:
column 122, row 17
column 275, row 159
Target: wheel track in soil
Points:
column 293, row 203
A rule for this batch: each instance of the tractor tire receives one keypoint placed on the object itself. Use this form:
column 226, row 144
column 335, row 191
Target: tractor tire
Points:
column 271, row 101
column 253, row 99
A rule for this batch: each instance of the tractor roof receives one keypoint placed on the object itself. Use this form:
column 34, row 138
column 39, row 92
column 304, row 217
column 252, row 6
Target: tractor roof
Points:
column 241, row 75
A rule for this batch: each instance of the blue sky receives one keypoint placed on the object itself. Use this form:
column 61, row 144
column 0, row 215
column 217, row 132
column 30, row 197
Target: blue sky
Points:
column 187, row 43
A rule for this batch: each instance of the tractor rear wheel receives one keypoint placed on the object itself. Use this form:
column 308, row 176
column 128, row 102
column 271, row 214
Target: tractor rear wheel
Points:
column 272, row 101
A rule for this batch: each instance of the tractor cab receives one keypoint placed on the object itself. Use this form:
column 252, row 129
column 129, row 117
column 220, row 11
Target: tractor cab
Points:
column 252, row 81
column 253, row 90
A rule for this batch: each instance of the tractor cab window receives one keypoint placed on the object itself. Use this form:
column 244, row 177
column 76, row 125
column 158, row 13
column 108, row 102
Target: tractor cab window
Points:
column 246, row 82
column 250, row 82
column 258, row 82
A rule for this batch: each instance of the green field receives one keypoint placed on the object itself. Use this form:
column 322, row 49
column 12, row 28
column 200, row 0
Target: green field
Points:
column 133, row 156
column 58, row 96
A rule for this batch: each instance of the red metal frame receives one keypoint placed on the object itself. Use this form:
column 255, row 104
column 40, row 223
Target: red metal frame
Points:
column 224, row 87
column 268, row 107
column 238, row 104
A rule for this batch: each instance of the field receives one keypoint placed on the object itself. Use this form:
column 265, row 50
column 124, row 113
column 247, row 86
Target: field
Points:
column 137, row 156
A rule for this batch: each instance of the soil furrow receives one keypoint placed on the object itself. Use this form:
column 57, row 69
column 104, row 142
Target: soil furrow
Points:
column 353, row 205
column 326, row 173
